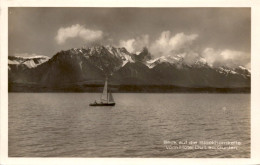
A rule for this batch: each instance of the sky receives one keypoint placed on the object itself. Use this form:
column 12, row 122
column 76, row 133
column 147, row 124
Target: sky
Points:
column 220, row 35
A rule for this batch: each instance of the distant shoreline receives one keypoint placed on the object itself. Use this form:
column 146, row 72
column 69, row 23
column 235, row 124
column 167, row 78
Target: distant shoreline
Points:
column 97, row 88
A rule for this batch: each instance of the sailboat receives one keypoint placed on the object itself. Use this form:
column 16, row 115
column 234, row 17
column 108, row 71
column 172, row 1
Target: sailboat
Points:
column 106, row 98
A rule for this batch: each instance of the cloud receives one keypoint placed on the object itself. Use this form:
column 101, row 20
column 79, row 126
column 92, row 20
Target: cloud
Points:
column 227, row 57
column 184, row 45
column 190, row 57
column 164, row 45
column 135, row 44
column 128, row 44
column 79, row 31
column 167, row 43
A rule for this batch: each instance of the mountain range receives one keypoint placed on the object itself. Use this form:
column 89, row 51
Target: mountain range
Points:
column 90, row 65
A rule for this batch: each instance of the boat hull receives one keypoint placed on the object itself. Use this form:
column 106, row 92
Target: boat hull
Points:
column 102, row 104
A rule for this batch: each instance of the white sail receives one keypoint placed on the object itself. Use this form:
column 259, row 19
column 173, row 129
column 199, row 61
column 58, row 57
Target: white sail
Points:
column 104, row 94
column 111, row 99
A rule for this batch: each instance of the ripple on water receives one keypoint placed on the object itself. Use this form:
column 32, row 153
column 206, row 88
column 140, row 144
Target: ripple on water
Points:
column 63, row 125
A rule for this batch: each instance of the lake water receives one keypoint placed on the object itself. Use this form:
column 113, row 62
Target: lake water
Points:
column 140, row 125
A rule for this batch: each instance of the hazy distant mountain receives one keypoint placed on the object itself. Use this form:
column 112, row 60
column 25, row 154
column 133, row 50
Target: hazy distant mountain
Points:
column 19, row 67
column 90, row 65
column 30, row 62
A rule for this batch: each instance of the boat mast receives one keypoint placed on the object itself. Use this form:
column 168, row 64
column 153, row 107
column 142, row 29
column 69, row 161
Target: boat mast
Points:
column 107, row 91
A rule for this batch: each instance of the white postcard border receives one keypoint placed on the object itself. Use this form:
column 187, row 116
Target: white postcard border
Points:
column 255, row 79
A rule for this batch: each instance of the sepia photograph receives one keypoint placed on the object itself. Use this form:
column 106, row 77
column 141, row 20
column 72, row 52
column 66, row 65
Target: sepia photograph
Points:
column 129, row 82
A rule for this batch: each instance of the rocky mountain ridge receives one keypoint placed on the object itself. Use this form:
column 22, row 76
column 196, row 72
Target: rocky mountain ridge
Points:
column 90, row 65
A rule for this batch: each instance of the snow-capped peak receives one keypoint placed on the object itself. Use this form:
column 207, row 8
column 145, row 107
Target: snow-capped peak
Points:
column 245, row 69
column 108, row 50
column 137, row 53
column 32, row 57
column 201, row 61
column 168, row 59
